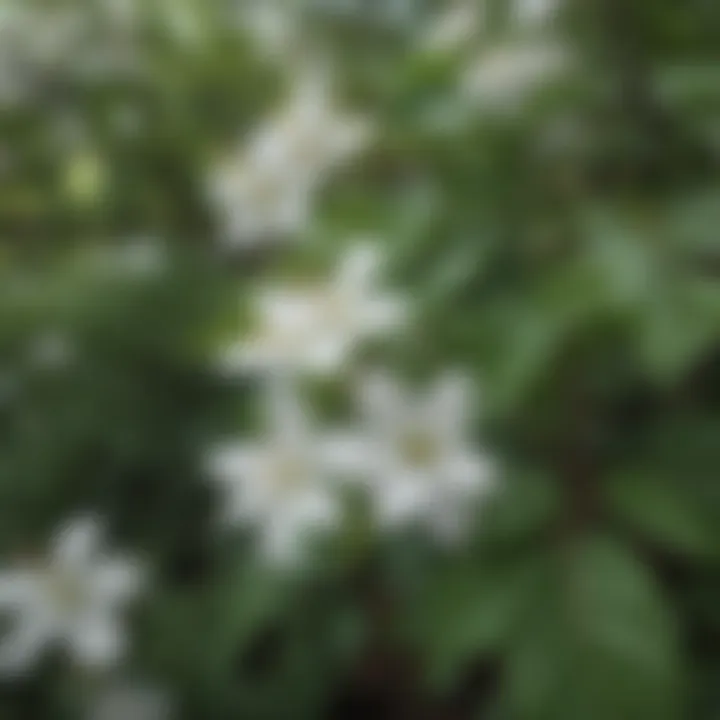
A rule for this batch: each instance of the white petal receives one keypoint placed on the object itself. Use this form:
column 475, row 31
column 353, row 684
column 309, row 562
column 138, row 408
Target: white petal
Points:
column 294, row 209
column 346, row 454
column 383, row 314
column 506, row 76
column 229, row 463
column 281, row 545
column 449, row 404
column 77, row 542
column 468, row 472
column 316, row 509
column 117, row 580
column 359, row 266
column 241, row 470
column 18, row 587
column 399, row 501
column 348, row 138
column 328, row 353
column 310, row 100
column 455, row 27
column 288, row 529
column 97, row 641
column 284, row 309
column 382, row 402
column 286, row 415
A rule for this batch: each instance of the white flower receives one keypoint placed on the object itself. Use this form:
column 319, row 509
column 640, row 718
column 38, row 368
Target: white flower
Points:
column 311, row 135
column 455, row 27
column 315, row 328
column 257, row 203
column 419, row 461
column 502, row 79
column 73, row 600
column 267, row 190
column 283, row 484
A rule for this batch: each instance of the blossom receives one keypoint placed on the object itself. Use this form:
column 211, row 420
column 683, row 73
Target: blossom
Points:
column 314, row 328
column 457, row 26
column 72, row 600
column 283, row 484
column 418, row 460
column 266, row 190
column 256, row 203
column 311, row 135
column 503, row 78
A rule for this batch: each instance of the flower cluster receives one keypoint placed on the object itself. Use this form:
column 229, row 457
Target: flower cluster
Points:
column 504, row 68
column 413, row 457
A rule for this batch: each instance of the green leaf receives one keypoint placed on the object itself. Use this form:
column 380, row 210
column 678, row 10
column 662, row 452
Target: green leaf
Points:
column 467, row 610
column 667, row 513
column 676, row 327
column 524, row 505
column 599, row 642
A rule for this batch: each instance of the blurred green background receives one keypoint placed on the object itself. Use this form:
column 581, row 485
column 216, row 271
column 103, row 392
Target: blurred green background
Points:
column 566, row 253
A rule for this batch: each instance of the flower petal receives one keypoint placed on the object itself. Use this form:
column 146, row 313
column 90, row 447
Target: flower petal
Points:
column 97, row 641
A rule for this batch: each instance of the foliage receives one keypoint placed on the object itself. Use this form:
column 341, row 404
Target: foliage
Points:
column 562, row 251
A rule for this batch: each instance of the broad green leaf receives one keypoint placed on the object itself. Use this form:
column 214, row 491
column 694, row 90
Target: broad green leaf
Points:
column 467, row 610
column 668, row 513
column 599, row 642
column 523, row 506
column 676, row 327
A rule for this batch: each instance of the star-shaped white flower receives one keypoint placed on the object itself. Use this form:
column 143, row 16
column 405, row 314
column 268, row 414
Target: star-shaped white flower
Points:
column 257, row 203
column 73, row 600
column 266, row 191
column 315, row 328
column 283, row 484
column 418, row 459
column 311, row 135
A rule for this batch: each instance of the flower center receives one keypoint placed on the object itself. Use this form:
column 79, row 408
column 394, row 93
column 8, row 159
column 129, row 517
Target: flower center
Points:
column 290, row 472
column 419, row 448
column 265, row 191
column 66, row 592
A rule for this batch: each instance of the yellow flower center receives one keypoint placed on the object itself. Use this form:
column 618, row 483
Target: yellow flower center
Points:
column 419, row 448
column 289, row 472
column 66, row 592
